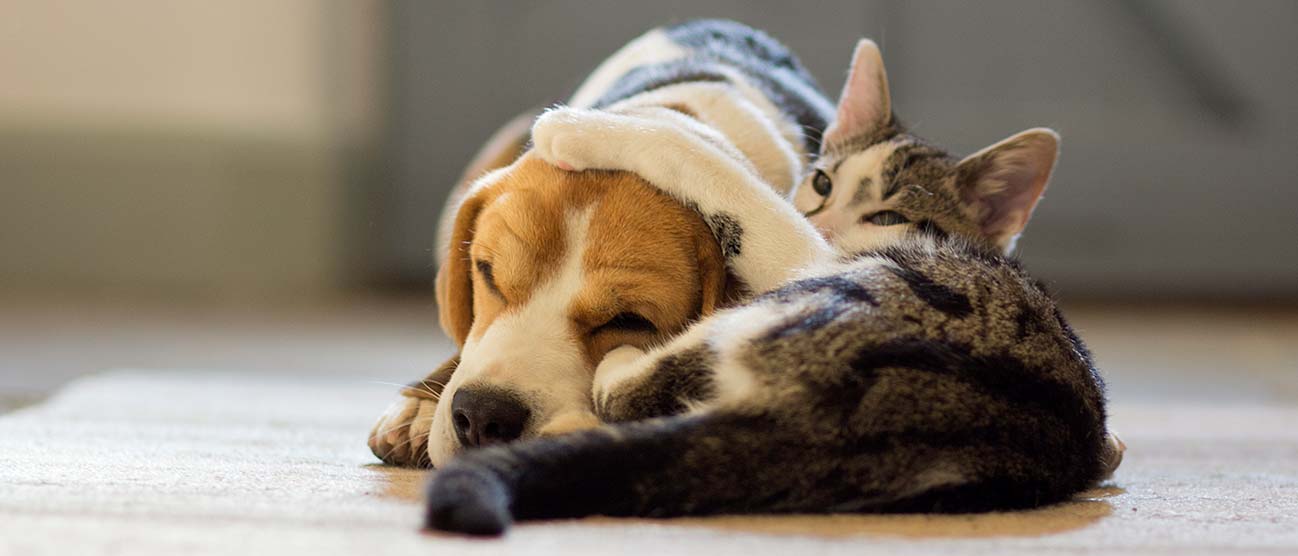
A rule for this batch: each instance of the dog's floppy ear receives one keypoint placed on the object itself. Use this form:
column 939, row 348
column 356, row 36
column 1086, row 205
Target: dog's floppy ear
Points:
column 454, row 280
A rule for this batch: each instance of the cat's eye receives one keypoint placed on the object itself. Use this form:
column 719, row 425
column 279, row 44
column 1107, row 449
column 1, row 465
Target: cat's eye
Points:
column 626, row 321
column 885, row 218
column 821, row 184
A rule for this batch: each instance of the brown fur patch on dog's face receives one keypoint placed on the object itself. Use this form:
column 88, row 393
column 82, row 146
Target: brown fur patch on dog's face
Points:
column 644, row 253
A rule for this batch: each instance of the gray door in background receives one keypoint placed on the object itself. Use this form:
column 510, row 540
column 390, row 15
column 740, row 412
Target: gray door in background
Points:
column 1179, row 119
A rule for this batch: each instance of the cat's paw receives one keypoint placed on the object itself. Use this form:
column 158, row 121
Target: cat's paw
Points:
column 400, row 437
column 1114, row 448
column 618, row 366
column 575, row 139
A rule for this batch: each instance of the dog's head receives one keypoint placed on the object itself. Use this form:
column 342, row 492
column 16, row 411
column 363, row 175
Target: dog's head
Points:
column 548, row 271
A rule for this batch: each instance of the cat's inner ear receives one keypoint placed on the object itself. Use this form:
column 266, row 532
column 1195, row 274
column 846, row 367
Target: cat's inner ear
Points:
column 1002, row 183
column 864, row 105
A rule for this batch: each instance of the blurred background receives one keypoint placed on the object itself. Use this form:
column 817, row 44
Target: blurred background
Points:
column 256, row 184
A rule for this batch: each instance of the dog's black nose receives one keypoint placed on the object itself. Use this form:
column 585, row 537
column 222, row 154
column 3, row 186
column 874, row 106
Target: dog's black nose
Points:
column 483, row 417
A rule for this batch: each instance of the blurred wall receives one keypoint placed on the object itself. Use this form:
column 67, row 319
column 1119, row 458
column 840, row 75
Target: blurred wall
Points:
column 298, row 148
column 183, row 147
column 1179, row 118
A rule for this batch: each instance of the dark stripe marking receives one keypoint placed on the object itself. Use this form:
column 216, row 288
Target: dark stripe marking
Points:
column 1001, row 376
column 847, row 293
column 936, row 295
column 728, row 232
column 837, row 284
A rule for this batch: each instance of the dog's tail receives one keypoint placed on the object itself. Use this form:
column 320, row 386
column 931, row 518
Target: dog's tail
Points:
column 706, row 464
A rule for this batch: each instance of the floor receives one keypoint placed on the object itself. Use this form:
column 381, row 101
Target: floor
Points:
column 46, row 343
column 219, row 430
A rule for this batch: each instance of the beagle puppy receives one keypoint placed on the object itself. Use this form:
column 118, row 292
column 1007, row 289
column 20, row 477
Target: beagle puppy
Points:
column 543, row 271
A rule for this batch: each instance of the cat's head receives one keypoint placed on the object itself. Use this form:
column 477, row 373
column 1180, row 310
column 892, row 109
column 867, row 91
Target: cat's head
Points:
column 875, row 183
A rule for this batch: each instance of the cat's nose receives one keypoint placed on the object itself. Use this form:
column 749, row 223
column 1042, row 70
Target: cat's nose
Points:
column 487, row 416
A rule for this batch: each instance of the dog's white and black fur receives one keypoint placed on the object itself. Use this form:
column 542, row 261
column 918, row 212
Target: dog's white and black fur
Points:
column 910, row 365
column 729, row 82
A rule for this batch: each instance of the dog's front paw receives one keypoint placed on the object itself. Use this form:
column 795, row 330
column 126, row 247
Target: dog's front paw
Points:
column 469, row 500
column 401, row 435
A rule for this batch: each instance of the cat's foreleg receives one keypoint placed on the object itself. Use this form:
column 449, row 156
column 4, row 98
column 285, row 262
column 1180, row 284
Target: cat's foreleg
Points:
column 632, row 384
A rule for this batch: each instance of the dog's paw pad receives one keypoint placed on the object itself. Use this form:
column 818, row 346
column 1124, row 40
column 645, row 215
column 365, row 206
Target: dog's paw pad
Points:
column 467, row 500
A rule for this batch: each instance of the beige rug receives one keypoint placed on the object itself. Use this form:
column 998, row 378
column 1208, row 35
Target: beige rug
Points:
column 212, row 463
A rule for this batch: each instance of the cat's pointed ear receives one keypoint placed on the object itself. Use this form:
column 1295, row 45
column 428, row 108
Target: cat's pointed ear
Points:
column 864, row 105
column 1003, row 182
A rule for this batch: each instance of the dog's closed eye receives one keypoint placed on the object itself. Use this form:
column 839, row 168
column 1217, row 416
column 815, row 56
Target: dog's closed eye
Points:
column 626, row 322
column 488, row 278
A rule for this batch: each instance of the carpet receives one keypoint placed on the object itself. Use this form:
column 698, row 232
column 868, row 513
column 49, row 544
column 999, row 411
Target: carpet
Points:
column 192, row 462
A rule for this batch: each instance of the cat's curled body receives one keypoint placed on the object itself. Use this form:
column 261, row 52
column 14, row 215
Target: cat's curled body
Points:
column 914, row 368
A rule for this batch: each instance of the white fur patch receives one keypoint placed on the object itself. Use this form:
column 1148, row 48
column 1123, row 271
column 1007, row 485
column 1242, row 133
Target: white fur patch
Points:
column 735, row 382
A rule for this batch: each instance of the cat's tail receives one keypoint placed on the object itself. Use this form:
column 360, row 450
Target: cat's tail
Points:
column 701, row 464
column 643, row 468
